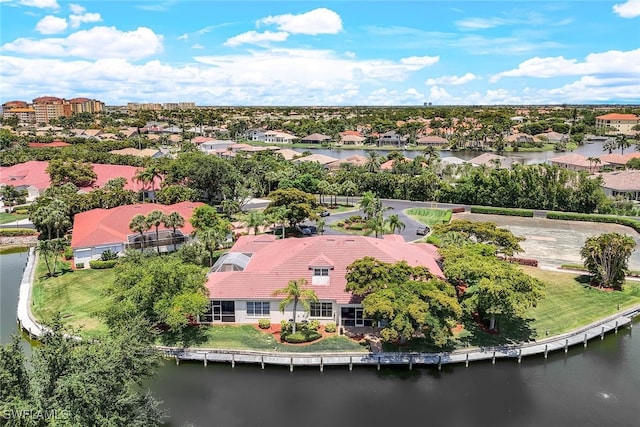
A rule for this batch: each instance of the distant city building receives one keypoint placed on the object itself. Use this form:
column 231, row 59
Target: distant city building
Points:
column 153, row 106
column 46, row 108
column 86, row 105
column 617, row 123
column 20, row 109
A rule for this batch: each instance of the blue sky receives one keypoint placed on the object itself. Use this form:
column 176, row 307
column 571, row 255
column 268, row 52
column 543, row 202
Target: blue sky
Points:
column 322, row 53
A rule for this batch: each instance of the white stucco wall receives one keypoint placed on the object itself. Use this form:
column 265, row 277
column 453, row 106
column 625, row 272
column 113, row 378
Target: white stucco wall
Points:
column 84, row 255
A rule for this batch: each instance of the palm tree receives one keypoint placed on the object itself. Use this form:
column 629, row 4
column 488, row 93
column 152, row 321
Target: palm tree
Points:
column 320, row 224
column 375, row 225
column 373, row 162
column 148, row 176
column 367, row 203
column 622, row 142
column 295, row 293
column 394, row 223
column 174, row 220
column 45, row 248
column 211, row 238
column 609, row 146
column 349, row 188
column 254, row 221
column 139, row 224
column 323, row 188
column 156, row 218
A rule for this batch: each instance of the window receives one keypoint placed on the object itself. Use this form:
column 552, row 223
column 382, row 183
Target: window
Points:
column 321, row 309
column 258, row 308
column 321, row 272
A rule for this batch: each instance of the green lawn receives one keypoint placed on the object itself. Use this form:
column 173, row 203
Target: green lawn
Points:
column 428, row 216
column 6, row 218
column 77, row 295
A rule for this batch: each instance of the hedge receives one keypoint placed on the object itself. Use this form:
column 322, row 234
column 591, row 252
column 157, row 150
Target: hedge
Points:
column 502, row 211
column 101, row 265
column 330, row 327
column 522, row 261
column 264, row 323
column 595, row 218
column 302, row 336
column 15, row 232
column 356, row 227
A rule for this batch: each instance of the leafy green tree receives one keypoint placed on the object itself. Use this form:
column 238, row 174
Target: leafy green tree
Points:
column 406, row 300
column 139, row 224
column 493, row 287
column 51, row 215
column 163, row 290
column 74, row 171
column 483, row 232
column 212, row 238
column 367, row 203
column 298, row 204
column 296, row 293
column 173, row 221
column 349, row 188
column 606, row 257
column 206, row 216
column 172, row 194
column 254, row 221
column 83, row 382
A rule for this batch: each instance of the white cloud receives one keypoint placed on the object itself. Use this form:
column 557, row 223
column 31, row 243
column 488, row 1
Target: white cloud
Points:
column 317, row 21
column 76, row 20
column 613, row 62
column 350, row 54
column 420, row 61
column 95, row 43
column 51, row 25
column 254, row 37
column 185, row 36
column 479, row 23
column 76, row 9
column 629, row 9
column 452, row 80
column 197, row 46
column 40, row 4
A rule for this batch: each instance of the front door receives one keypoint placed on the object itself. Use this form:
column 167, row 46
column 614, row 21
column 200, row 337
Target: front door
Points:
column 359, row 319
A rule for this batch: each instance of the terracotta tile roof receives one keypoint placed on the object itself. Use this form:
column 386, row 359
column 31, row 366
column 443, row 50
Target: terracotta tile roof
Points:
column 388, row 165
column 99, row 227
column 316, row 137
column 288, row 153
column 320, row 158
column 350, row 133
column 617, row 116
column 487, row 159
column 614, row 158
column 356, row 160
column 274, row 262
column 626, row 180
column 54, row 144
column 34, row 173
column 576, row 160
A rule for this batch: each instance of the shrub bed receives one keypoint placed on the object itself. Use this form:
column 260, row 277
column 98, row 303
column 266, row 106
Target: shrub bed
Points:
column 522, row 261
column 595, row 218
column 356, row 227
column 16, row 232
column 306, row 335
column 502, row 211
column 264, row 323
column 330, row 327
column 102, row 265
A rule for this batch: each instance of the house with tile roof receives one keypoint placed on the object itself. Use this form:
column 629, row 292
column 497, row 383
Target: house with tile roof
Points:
column 318, row 158
column 618, row 123
column 315, row 138
column 99, row 230
column 491, row 160
column 33, row 177
column 578, row 162
column 241, row 283
column 625, row 183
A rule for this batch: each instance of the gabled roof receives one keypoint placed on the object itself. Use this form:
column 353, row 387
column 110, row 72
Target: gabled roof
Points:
column 388, row 165
column 316, row 137
column 432, row 139
column 130, row 151
column 275, row 262
column 99, row 227
column 288, row 153
column 488, row 159
column 626, row 180
column 356, row 160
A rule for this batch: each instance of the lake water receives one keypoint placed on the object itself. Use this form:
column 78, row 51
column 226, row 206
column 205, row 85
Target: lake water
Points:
column 598, row 386
column 586, row 150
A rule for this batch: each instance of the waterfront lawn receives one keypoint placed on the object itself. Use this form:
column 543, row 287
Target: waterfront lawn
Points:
column 76, row 295
column 6, row 218
column 428, row 216
column 248, row 337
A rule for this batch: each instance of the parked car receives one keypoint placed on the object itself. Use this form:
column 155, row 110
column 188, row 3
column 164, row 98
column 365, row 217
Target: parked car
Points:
column 325, row 213
column 422, row 231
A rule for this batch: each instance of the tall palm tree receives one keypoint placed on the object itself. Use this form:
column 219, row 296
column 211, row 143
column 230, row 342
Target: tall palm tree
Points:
column 211, row 238
column 45, row 249
column 367, row 203
column 349, row 188
column 622, row 142
column 139, row 224
column 174, row 220
column 373, row 162
column 148, row 176
column 254, row 220
column 296, row 292
column 394, row 223
column 323, row 188
column 156, row 218
column 320, row 224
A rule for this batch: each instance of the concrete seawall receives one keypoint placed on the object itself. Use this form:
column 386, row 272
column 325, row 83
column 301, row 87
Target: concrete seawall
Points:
column 561, row 342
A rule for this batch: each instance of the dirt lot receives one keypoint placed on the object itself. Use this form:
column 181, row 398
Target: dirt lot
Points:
column 555, row 242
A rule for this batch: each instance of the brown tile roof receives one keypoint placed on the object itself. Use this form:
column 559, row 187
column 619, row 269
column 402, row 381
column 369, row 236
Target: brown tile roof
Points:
column 618, row 116
column 626, row 180
column 576, row 160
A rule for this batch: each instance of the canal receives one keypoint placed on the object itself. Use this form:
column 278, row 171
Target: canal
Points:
column 598, row 386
